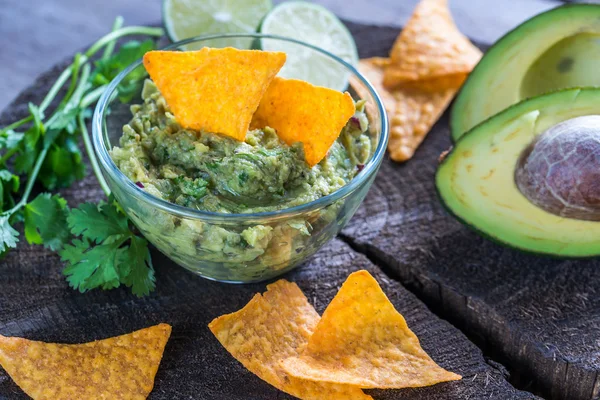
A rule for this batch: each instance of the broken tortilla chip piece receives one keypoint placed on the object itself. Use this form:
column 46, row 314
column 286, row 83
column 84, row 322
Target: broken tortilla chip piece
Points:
column 431, row 46
column 214, row 90
column 429, row 62
column 411, row 111
column 372, row 69
column 121, row 367
column 302, row 112
column 270, row 328
column 363, row 341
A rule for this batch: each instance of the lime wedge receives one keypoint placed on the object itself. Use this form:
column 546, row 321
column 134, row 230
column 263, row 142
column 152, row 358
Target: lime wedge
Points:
column 188, row 18
column 312, row 24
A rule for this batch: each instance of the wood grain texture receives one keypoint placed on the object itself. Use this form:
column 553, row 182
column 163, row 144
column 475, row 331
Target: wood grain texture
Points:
column 36, row 34
column 35, row 302
column 540, row 315
column 42, row 307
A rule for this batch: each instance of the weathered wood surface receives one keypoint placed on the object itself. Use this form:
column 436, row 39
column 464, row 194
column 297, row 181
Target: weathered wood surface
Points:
column 36, row 302
column 537, row 315
column 36, row 34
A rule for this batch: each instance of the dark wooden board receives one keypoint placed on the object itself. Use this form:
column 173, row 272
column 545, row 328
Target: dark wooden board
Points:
column 35, row 302
column 539, row 316
column 42, row 307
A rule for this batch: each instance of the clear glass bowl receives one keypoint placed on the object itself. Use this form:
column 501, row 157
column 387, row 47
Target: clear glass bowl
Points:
column 212, row 245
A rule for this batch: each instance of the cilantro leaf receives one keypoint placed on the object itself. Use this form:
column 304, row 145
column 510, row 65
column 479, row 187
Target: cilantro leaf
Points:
column 9, row 184
column 108, row 253
column 137, row 260
column 38, row 116
column 63, row 164
column 91, row 267
column 108, row 68
column 29, row 144
column 8, row 236
column 97, row 222
column 46, row 221
column 10, row 139
column 11, row 179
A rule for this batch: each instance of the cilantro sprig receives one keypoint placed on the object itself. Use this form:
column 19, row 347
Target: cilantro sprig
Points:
column 106, row 253
column 96, row 241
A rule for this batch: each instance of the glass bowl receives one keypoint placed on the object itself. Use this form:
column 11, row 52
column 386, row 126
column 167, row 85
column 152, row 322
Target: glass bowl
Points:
column 214, row 245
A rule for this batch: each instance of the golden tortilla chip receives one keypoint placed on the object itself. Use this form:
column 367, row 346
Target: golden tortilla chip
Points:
column 214, row 90
column 411, row 111
column 372, row 69
column 270, row 328
column 431, row 46
column 121, row 367
column 302, row 112
column 362, row 340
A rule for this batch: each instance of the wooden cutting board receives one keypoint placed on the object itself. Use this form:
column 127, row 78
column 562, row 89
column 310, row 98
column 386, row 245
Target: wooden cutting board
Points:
column 538, row 317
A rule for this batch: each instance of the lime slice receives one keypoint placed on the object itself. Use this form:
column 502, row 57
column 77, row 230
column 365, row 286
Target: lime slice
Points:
column 188, row 18
column 312, row 24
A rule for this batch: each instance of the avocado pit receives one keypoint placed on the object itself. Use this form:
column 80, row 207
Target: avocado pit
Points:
column 560, row 170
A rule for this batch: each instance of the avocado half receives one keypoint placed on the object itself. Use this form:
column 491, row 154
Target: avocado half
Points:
column 554, row 50
column 477, row 180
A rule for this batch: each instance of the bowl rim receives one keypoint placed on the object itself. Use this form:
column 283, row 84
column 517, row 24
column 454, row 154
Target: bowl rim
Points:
column 110, row 168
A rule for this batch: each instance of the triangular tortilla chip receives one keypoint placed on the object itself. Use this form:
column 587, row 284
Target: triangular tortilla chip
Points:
column 431, row 46
column 362, row 340
column 121, row 367
column 302, row 112
column 411, row 111
column 270, row 328
column 214, row 90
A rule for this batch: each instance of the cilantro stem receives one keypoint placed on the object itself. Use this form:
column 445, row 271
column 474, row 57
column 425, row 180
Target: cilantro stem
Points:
column 9, row 153
column 130, row 30
column 74, row 72
column 80, row 89
column 91, row 155
column 58, row 85
column 104, row 41
column 16, row 124
column 92, row 96
column 30, row 182
column 111, row 46
column 77, row 94
column 77, row 99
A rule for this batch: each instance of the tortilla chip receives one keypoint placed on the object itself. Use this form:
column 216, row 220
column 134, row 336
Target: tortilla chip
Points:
column 214, row 90
column 431, row 46
column 121, row 367
column 270, row 328
column 372, row 69
column 411, row 111
column 362, row 340
column 302, row 112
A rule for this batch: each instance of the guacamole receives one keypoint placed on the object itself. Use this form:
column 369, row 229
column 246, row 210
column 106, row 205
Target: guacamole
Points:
column 210, row 172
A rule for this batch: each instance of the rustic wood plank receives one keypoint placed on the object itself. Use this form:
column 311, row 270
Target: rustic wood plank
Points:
column 38, row 304
column 539, row 315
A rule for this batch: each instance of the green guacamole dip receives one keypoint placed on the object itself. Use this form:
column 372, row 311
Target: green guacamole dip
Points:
column 210, row 172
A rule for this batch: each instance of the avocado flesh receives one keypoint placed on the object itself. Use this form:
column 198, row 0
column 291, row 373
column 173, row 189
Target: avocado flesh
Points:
column 530, row 60
column 572, row 62
column 476, row 180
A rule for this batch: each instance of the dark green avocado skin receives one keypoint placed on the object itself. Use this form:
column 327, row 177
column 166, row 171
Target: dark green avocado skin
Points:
column 515, row 110
column 490, row 63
